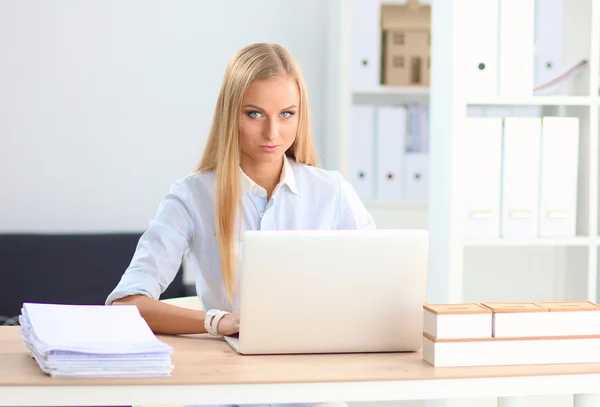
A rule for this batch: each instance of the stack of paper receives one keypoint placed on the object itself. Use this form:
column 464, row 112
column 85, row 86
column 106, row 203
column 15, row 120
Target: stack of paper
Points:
column 93, row 341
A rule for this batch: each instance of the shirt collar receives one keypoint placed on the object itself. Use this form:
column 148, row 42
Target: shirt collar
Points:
column 286, row 178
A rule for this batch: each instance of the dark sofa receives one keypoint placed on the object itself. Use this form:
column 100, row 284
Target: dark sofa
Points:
column 71, row 269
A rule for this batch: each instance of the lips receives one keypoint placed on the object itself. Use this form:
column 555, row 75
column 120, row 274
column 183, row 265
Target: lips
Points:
column 269, row 149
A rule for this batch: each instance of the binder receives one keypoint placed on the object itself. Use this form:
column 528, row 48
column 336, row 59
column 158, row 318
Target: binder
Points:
column 391, row 138
column 560, row 156
column 520, row 176
column 416, row 177
column 362, row 171
column 366, row 44
column 548, row 62
column 516, row 45
column 478, row 48
column 482, row 169
column 424, row 129
column 413, row 130
column 417, row 132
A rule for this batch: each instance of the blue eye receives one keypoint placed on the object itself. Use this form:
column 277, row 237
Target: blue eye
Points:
column 287, row 114
column 253, row 114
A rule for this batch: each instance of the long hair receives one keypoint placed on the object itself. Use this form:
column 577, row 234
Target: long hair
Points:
column 222, row 152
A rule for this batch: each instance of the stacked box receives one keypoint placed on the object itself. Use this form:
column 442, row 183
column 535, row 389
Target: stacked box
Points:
column 519, row 333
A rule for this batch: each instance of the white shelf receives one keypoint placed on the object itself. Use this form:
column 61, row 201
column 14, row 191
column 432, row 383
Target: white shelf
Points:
column 421, row 93
column 391, row 95
column 530, row 242
column 408, row 205
column 394, row 90
column 537, row 101
column 449, row 106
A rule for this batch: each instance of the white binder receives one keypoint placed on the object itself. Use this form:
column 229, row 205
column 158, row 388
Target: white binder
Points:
column 362, row 170
column 517, row 30
column 366, row 44
column 391, row 138
column 520, row 176
column 548, row 61
column 482, row 169
column 477, row 46
column 416, row 177
column 417, row 132
column 424, row 129
column 560, row 156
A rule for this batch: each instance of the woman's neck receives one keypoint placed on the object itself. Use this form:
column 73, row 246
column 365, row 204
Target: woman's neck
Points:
column 266, row 175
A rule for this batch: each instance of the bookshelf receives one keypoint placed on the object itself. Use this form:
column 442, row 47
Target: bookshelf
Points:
column 528, row 242
column 414, row 93
column 457, row 261
column 345, row 93
column 537, row 101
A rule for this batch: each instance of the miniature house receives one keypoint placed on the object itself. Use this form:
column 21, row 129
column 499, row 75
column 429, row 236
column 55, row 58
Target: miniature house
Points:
column 406, row 40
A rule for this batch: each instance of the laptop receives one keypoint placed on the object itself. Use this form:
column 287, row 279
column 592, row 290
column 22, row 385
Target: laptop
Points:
column 331, row 291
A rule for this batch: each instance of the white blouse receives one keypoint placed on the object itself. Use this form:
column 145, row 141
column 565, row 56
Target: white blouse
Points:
column 306, row 198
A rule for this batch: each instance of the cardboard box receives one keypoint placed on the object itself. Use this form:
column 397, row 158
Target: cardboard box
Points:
column 571, row 318
column 503, row 351
column 544, row 319
column 406, row 43
column 448, row 321
column 516, row 319
column 523, row 333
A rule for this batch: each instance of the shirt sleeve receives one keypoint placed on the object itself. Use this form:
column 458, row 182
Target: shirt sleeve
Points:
column 160, row 250
column 352, row 213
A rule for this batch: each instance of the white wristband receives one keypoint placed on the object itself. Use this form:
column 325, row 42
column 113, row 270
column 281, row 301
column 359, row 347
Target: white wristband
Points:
column 211, row 321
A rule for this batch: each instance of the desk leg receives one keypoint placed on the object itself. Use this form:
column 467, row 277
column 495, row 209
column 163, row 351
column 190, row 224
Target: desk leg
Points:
column 586, row 400
column 511, row 401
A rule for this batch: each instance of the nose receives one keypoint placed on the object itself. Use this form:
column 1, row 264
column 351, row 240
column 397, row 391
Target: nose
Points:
column 272, row 130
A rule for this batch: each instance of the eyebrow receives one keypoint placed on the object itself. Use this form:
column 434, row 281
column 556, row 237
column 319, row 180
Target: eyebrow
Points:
column 258, row 108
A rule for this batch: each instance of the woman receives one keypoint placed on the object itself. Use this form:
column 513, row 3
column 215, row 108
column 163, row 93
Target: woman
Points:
column 258, row 172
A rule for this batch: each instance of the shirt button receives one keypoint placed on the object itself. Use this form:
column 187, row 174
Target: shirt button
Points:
column 261, row 215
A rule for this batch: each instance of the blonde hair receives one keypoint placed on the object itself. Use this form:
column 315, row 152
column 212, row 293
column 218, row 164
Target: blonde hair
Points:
column 222, row 152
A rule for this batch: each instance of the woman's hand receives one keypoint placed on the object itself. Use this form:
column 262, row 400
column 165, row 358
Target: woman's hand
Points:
column 229, row 325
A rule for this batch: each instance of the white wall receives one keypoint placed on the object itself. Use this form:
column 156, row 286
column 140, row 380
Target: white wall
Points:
column 104, row 103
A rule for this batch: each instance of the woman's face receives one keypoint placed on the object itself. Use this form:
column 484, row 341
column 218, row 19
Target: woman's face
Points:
column 269, row 121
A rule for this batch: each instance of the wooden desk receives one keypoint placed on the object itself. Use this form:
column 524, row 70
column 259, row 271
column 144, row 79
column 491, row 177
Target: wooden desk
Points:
column 208, row 371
